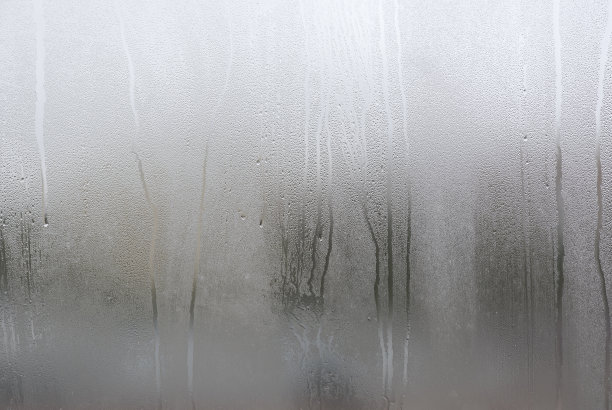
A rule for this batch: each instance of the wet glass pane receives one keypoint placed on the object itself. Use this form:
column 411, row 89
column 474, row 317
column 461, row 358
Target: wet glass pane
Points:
column 341, row 204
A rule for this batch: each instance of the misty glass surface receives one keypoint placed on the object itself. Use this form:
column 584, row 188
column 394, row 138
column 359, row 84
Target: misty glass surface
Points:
column 280, row 204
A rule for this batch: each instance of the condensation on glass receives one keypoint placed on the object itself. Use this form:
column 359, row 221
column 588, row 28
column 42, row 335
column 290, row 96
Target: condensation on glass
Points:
column 305, row 204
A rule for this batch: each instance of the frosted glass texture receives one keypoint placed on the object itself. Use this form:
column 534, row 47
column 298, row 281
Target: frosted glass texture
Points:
column 280, row 204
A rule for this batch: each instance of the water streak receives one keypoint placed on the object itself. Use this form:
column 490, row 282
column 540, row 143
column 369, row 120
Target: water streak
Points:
column 3, row 260
column 154, row 209
column 400, row 75
column 41, row 98
column 307, row 98
column 318, row 228
column 389, row 120
column 131, row 73
column 196, row 271
column 560, row 207
column 379, row 320
column 525, row 218
column 603, row 58
column 323, row 118
column 331, row 217
column 366, row 217
column 154, row 230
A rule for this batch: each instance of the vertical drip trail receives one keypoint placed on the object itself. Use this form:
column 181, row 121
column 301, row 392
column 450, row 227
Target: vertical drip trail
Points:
column 408, row 277
column 26, row 252
column 527, row 285
column 306, row 126
column 527, row 273
column 364, row 209
column 323, row 117
column 285, row 275
column 331, row 217
column 321, row 124
column 41, row 97
column 154, row 230
column 306, row 96
column 3, row 261
column 389, row 118
column 196, row 271
column 560, row 208
column 130, row 65
column 329, row 174
column 400, row 75
column 360, row 111
column 603, row 57
column 154, row 210
column 317, row 231
column 381, row 335
column 29, row 260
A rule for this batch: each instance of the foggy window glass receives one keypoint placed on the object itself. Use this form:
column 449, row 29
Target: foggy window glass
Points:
column 305, row 204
